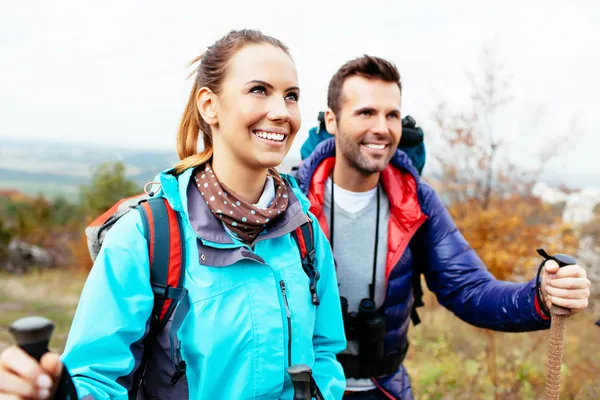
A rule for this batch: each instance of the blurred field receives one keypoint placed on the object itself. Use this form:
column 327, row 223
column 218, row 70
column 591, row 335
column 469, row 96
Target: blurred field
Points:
column 53, row 294
column 448, row 359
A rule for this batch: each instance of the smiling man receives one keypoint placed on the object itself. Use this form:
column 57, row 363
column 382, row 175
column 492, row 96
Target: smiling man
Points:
column 386, row 227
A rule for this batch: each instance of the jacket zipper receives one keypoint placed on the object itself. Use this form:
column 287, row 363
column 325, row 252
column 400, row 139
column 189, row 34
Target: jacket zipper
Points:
column 288, row 314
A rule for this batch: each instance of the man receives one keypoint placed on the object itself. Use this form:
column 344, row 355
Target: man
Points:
column 384, row 223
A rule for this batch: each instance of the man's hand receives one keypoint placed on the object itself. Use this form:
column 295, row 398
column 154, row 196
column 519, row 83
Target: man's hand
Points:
column 567, row 287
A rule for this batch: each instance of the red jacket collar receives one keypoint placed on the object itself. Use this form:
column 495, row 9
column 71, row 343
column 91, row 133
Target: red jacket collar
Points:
column 405, row 211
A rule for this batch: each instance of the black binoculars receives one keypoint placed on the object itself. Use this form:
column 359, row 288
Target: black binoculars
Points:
column 367, row 327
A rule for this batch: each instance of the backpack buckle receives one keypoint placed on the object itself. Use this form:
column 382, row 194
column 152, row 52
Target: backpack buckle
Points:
column 313, row 276
column 311, row 256
column 160, row 290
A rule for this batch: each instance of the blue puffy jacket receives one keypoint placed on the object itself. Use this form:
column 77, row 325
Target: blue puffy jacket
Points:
column 452, row 269
column 251, row 311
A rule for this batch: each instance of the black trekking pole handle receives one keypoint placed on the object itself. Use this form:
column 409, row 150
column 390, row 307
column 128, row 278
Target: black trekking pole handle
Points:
column 32, row 334
column 305, row 387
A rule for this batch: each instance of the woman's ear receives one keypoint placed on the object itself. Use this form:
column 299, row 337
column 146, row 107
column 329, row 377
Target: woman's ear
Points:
column 206, row 101
column 330, row 122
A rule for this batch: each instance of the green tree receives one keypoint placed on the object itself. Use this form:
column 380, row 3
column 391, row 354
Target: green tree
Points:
column 109, row 184
column 65, row 212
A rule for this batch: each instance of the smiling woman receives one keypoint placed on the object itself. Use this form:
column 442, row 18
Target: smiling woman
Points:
column 248, row 119
column 249, row 309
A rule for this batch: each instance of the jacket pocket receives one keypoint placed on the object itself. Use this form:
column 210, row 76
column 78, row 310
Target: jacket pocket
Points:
column 218, row 337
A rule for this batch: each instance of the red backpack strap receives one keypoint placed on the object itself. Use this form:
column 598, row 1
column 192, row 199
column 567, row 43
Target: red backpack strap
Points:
column 304, row 238
column 167, row 257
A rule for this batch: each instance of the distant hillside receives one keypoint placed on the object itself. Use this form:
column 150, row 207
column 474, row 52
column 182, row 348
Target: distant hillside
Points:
column 60, row 168
column 49, row 168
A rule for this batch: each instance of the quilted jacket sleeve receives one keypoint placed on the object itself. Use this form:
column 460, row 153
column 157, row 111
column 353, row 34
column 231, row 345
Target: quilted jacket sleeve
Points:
column 462, row 283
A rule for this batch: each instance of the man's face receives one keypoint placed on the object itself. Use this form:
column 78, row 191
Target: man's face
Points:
column 368, row 126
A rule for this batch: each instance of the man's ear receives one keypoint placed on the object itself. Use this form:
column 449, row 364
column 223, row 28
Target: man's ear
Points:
column 206, row 101
column 330, row 122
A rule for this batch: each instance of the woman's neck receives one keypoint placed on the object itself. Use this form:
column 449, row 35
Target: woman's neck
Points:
column 247, row 184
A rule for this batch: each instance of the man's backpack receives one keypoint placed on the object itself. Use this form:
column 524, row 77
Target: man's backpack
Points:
column 166, row 248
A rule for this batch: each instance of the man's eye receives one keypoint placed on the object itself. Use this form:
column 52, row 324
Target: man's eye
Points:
column 258, row 89
column 292, row 96
column 394, row 116
column 365, row 112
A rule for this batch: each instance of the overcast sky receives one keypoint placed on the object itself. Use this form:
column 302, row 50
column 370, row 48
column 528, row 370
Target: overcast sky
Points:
column 113, row 72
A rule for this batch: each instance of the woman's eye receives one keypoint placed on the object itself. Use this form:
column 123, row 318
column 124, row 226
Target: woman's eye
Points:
column 292, row 96
column 258, row 89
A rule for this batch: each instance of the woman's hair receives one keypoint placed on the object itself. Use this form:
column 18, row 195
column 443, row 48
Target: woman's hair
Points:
column 210, row 73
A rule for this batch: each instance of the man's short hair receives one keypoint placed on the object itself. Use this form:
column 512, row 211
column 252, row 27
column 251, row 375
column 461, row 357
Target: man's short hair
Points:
column 369, row 67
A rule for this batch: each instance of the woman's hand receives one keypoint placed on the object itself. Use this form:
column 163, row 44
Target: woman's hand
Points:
column 22, row 377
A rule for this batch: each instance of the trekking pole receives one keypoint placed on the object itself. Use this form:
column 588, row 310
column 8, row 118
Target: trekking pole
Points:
column 305, row 387
column 32, row 334
column 557, row 333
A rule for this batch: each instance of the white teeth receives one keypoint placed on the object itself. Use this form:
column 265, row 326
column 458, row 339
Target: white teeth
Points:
column 376, row 146
column 278, row 137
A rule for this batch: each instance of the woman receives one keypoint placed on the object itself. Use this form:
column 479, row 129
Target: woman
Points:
column 251, row 312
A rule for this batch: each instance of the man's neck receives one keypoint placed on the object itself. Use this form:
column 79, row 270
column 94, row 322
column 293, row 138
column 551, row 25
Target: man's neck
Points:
column 247, row 184
column 350, row 179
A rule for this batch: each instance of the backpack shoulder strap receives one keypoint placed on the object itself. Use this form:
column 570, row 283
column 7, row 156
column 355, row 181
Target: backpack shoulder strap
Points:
column 162, row 228
column 304, row 238
column 166, row 249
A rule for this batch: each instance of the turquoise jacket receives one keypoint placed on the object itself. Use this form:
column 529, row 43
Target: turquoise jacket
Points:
column 236, row 338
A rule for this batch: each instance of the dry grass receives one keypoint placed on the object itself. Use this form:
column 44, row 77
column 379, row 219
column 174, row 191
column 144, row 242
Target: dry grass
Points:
column 450, row 359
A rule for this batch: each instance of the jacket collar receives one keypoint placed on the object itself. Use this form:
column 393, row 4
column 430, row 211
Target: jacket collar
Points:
column 399, row 179
column 215, row 246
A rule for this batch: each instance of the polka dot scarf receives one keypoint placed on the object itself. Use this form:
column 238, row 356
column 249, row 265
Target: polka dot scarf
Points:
column 243, row 219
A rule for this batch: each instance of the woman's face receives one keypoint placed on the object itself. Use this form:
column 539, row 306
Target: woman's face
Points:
column 257, row 108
